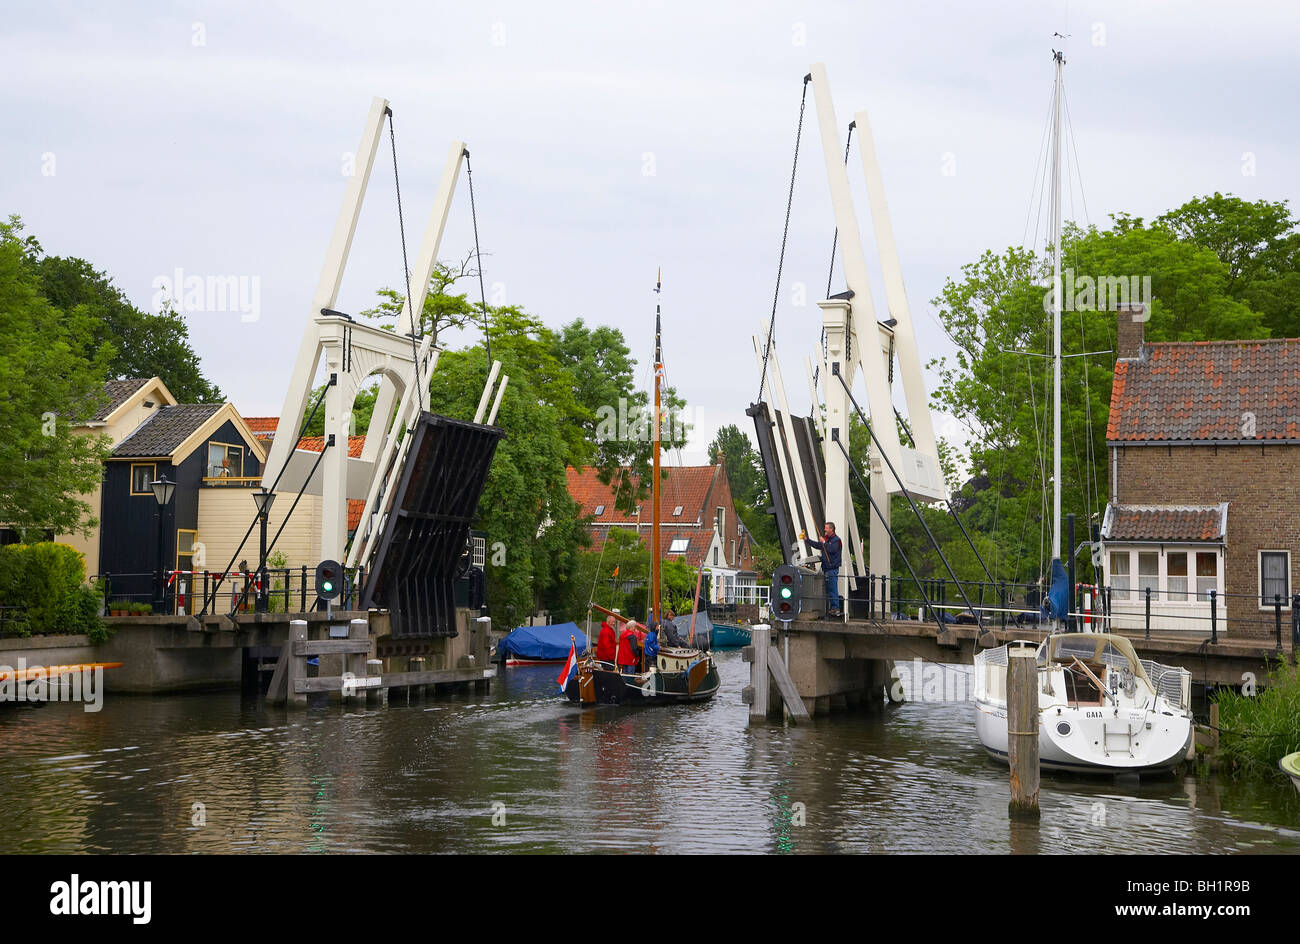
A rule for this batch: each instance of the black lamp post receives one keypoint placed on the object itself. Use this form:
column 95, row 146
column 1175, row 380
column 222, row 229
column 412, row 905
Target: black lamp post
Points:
column 263, row 499
column 162, row 493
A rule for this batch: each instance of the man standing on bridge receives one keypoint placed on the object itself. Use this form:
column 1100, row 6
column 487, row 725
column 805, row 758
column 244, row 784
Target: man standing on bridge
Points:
column 831, row 548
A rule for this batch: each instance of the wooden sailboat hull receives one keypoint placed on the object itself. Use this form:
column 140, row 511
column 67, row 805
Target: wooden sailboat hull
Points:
column 699, row 682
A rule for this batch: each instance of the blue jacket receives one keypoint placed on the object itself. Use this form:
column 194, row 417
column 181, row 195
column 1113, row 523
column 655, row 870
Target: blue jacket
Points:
column 831, row 551
column 652, row 646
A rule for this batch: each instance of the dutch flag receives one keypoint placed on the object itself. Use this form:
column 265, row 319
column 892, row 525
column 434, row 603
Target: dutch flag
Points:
column 570, row 664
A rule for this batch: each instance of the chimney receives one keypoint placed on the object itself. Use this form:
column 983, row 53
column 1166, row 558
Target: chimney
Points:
column 1128, row 337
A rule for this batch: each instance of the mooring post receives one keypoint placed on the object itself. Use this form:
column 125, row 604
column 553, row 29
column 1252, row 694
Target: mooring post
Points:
column 1022, row 730
column 295, row 666
column 761, row 639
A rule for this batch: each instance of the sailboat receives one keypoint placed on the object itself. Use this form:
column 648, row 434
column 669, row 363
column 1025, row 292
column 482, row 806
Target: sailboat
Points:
column 677, row 674
column 1101, row 708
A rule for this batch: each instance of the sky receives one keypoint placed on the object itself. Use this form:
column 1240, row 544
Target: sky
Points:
column 609, row 140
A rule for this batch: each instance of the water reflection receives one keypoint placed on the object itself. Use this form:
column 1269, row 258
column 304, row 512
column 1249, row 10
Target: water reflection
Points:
column 521, row 769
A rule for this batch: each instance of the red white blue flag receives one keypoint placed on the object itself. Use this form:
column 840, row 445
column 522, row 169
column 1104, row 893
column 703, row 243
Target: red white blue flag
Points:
column 570, row 665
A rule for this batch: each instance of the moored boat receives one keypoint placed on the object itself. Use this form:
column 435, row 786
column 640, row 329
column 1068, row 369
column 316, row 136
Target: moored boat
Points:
column 1291, row 767
column 1101, row 708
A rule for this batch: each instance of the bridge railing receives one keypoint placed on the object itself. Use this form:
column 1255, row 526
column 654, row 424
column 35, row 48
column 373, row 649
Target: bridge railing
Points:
column 1123, row 608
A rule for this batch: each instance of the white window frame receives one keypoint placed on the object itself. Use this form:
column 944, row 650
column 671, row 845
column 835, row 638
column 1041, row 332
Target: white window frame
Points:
column 1259, row 584
column 675, row 549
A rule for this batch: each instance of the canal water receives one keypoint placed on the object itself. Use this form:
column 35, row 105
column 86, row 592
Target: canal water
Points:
column 521, row 770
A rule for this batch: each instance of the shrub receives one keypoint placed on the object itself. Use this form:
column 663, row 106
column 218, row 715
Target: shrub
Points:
column 78, row 612
column 38, row 578
column 1256, row 731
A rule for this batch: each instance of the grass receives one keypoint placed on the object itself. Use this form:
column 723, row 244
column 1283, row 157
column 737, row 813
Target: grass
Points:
column 1259, row 729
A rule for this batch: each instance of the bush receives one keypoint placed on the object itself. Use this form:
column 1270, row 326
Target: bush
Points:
column 38, row 578
column 78, row 612
column 1256, row 731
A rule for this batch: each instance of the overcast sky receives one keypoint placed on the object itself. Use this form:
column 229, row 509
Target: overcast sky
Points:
column 210, row 137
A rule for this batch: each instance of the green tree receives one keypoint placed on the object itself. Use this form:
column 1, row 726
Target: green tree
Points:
column 997, row 316
column 140, row 344
column 51, row 380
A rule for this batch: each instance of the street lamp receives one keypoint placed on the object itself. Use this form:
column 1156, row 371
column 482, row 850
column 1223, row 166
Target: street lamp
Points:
column 162, row 493
column 263, row 499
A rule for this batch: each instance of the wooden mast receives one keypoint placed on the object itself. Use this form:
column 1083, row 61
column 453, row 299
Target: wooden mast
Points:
column 654, row 486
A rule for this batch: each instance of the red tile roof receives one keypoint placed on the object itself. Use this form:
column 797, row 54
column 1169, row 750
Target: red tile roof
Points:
column 1165, row 522
column 1218, row 391
column 355, row 507
column 317, row 444
column 687, row 485
column 263, row 427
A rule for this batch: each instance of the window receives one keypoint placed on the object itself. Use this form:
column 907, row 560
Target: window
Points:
column 1275, row 577
column 225, row 460
column 142, row 476
column 720, row 517
column 1176, row 572
column 1148, row 574
column 715, row 556
column 1119, row 575
column 600, row 510
column 677, row 511
column 679, row 545
column 480, row 552
column 732, row 555
column 1207, row 574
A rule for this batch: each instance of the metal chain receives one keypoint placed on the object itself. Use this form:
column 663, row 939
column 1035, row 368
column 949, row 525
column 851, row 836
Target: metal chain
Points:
column 836, row 238
column 478, row 261
column 406, row 266
column 785, row 235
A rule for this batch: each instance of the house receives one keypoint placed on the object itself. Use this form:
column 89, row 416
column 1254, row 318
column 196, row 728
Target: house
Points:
column 1203, row 445
column 215, row 457
column 698, row 524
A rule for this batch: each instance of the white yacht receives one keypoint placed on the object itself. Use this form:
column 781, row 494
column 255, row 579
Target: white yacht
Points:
column 1101, row 708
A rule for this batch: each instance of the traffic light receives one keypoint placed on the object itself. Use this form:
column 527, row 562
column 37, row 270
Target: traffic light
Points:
column 787, row 592
column 329, row 580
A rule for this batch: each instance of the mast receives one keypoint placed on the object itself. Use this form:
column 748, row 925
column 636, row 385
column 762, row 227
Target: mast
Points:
column 1057, row 287
column 654, row 486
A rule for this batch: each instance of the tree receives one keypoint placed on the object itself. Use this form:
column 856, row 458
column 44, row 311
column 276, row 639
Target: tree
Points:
column 442, row 311
column 1205, row 261
column 141, row 344
column 51, row 380
column 744, row 470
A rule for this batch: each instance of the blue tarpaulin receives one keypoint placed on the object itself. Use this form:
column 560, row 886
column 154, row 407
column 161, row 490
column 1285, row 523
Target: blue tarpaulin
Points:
column 543, row 642
column 1058, row 598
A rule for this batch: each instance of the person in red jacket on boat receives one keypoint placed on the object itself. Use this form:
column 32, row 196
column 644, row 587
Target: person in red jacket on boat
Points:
column 606, row 643
column 628, row 649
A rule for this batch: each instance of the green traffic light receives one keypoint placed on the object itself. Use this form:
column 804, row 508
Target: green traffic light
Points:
column 785, row 592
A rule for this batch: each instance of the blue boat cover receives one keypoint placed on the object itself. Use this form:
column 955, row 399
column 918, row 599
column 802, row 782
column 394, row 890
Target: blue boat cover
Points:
column 543, row 642
column 1058, row 598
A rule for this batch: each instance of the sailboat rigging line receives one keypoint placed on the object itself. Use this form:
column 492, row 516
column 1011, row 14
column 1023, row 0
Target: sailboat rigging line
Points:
column 925, row 597
column 1039, row 163
column 836, row 238
column 406, row 266
column 591, row 597
column 478, row 261
column 207, row 601
column 835, row 371
column 785, row 236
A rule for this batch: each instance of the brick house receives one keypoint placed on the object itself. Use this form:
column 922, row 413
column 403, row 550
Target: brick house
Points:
column 697, row 521
column 1203, row 443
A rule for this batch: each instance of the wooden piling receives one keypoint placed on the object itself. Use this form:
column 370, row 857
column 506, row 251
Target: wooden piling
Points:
column 1022, row 730
column 759, row 679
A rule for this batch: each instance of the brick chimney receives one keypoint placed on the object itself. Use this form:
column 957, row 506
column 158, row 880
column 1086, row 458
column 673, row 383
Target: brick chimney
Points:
column 1128, row 337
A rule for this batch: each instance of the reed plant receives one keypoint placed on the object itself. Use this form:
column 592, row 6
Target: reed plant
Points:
column 1260, row 726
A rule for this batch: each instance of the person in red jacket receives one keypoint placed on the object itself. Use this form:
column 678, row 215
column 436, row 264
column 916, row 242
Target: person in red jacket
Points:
column 628, row 645
column 606, row 643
